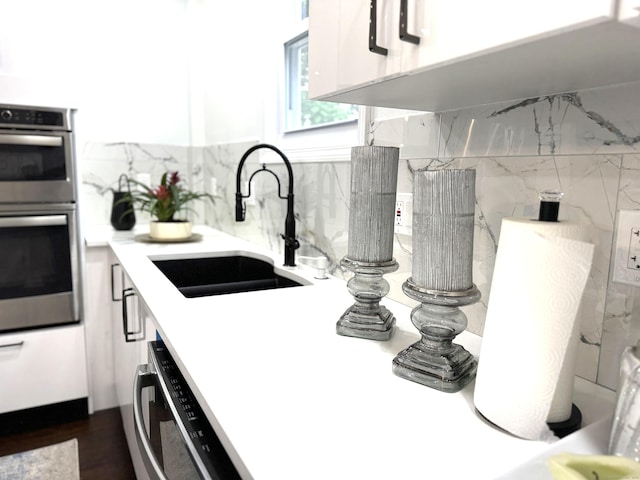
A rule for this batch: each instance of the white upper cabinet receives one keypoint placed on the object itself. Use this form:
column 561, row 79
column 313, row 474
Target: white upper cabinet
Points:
column 469, row 52
column 348, row 22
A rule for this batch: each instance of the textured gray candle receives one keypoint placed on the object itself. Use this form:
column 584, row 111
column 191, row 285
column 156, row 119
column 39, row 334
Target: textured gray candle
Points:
column 443, row 211
column 374, row 175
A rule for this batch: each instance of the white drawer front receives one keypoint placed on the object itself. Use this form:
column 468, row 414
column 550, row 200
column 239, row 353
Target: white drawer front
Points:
column 41, row 367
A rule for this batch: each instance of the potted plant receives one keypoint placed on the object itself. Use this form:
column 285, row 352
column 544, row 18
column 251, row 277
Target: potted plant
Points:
column 165, row 203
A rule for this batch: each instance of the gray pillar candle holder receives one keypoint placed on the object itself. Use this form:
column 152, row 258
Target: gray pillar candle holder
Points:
column 443, row 217
column 374, row 175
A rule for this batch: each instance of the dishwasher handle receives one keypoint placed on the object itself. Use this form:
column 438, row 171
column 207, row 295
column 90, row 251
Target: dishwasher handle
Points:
column 145, row 378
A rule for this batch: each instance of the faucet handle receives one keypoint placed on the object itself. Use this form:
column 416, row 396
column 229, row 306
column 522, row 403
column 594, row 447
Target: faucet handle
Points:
column 290, row 242
column 320, row 263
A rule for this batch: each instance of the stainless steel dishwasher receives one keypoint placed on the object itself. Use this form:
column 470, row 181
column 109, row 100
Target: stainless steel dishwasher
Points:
column 175, row 438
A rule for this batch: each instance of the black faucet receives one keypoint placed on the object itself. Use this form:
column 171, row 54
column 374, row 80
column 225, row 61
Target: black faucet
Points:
column 290, row 242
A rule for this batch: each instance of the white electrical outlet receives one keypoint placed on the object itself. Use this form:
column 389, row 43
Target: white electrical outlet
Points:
column 626, row 262
column 213, row 186
column 399, row 213
column 403, row 213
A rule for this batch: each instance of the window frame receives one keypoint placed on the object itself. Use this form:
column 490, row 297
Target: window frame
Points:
column 330, row 142
column 292, row 95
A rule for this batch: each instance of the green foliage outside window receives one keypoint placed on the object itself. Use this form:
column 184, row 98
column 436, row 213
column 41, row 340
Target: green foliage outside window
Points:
column 314, row 113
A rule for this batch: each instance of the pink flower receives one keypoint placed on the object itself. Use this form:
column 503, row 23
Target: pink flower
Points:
column 167, row 199
column 162, row 193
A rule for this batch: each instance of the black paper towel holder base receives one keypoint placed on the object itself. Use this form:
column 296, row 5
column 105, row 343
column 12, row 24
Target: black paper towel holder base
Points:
column 560, row 429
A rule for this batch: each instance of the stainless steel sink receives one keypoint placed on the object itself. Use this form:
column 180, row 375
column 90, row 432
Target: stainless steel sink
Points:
column 206, row 276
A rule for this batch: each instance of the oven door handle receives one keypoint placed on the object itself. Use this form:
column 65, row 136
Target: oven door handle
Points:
column 145, row 378
column 31, row 140
column 33, row 221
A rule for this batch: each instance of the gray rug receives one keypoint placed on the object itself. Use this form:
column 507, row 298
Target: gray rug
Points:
column 55, row 462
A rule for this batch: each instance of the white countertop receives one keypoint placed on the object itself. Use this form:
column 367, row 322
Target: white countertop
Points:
column 291, row 399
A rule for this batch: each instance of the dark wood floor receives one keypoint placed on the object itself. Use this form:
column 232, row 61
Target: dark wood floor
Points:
column 102, row 446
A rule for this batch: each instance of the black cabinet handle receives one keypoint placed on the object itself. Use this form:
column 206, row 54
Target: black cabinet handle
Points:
column 373, row 27
column 129, row 335
column 405, row 36
column 113, row 287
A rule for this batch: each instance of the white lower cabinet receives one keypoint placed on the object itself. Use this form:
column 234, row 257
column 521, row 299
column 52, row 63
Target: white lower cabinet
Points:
column 42, row 367
column 132, row 330
column 99, row 328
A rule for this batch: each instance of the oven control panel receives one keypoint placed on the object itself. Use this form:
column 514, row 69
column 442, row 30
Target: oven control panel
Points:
column 34, row 118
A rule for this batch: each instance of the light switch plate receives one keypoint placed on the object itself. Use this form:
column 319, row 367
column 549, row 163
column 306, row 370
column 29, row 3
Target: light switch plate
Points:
column 626, row 264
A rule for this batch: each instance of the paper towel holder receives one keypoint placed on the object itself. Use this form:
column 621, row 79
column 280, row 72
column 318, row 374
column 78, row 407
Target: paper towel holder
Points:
column 549, row 205
column 560, row 429
column 568, row 426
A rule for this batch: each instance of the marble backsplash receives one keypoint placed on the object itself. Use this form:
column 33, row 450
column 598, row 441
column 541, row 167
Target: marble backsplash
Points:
column 583, row 143
column 102, row 164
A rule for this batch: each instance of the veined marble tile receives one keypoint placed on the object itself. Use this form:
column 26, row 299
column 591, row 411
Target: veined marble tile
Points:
column 598, row 121
column 621, row 326
column 507, row 187
column 221, row 162
column 321, row 202
column 102, row 164
column 416, row 135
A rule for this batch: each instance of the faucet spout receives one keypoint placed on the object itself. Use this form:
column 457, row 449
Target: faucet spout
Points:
column 289, row 236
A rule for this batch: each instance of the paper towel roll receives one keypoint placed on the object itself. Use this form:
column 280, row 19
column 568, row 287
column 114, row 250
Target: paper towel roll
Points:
column 527, row 359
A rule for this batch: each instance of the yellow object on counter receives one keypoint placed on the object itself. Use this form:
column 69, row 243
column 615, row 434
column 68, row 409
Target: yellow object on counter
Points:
column 570, row 466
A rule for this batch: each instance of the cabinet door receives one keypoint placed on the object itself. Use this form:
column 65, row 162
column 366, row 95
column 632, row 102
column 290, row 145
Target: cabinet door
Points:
column 124, row 353
column 453, row 30
column 339, row 55
column 137, row 327
column 99, row 328
column 470, row 52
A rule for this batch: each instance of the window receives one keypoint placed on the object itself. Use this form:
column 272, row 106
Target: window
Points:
column 307, row 130
column 302, row 113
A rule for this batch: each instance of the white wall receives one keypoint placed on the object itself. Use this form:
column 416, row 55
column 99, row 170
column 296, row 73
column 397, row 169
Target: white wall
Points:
column 241, row 67
column 123, row 64
column 175, row 72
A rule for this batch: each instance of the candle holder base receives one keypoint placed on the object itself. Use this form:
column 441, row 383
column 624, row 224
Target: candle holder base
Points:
column 435, row 361
column 448, row 372
column 374, row 326
column 366, row 318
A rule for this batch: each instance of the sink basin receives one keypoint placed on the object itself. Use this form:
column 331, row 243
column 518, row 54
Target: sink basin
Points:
column 206, row 276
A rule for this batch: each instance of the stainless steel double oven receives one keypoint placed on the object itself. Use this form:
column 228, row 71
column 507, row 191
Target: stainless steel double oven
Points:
column 39, row 241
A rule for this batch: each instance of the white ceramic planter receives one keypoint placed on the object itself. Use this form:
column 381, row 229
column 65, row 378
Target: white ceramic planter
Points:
column 180, row 230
